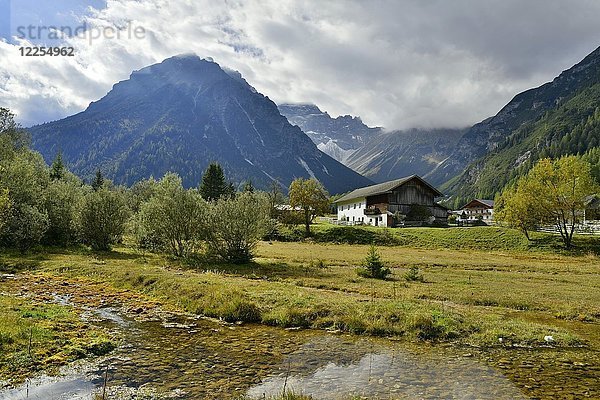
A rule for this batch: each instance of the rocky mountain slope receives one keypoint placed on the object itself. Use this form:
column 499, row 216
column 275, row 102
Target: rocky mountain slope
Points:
column 391, row 155
column 558, row 118
column 491, row 135
column 339, row 137
column 181, row 114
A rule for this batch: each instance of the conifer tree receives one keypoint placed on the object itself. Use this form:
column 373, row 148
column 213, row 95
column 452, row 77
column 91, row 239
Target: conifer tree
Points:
column 57, row 169
column 98, row 181
column 213, row 185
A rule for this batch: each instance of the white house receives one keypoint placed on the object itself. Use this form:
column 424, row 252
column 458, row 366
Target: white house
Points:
column 477, row 210
column 353, row 210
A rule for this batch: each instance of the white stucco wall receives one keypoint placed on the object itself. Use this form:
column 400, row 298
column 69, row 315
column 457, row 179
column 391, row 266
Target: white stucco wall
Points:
column 354, row 212
column 472, row 214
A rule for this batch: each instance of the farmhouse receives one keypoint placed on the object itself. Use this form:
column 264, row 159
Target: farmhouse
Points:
column 477, row 210
column 390, row 202
column 592, row 209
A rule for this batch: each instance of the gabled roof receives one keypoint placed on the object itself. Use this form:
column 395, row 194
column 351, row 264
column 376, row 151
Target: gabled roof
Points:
column 385, row 187
column 487, row 203
column 592, row 201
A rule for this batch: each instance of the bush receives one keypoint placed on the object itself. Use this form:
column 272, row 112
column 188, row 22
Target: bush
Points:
column 173, row 218
column 373, row 267
column 355, row 235
column 23, row 179
column 26, row 226
column 63, row 199
column 237, row 224
column 102, row 218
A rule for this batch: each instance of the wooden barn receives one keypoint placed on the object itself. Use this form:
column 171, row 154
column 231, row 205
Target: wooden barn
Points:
column 388, row 203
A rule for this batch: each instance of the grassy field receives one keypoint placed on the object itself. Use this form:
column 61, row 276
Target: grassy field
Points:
column 471, row 295
column 475, row 292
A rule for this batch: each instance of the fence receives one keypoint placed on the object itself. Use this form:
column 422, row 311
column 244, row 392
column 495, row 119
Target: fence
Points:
column 588, row 228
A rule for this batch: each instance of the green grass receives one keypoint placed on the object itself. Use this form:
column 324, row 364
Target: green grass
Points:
column 486, row 238
column 56, row 333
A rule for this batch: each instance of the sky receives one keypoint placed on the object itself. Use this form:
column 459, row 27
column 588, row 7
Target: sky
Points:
column 398, row 64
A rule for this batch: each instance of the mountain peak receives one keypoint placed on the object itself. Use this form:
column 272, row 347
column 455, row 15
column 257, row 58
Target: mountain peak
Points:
column 179, row 115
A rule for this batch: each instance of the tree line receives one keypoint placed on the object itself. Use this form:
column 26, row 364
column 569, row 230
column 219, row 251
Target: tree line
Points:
column 51, row 206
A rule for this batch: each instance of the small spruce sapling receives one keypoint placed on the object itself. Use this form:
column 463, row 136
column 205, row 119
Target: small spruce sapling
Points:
column 373, row 267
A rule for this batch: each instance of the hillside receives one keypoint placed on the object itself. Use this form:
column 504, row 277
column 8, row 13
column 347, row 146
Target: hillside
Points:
column 572, row 128
column 179, row 115
column 391, row 155
column 338, row 137
column 490, row 135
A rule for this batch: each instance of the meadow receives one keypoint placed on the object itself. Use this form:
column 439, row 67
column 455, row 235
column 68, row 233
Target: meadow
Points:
column 482, row 287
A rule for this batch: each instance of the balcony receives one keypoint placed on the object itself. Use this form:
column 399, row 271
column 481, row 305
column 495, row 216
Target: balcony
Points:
column 372, row 211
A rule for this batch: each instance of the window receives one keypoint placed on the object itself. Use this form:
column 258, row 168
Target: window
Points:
column 355, row 206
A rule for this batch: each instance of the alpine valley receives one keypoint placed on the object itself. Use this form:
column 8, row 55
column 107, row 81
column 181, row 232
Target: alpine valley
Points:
column 558, row 118
column 185, row 112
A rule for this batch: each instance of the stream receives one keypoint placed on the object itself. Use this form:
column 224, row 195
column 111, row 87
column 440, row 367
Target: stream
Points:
column 193, row 358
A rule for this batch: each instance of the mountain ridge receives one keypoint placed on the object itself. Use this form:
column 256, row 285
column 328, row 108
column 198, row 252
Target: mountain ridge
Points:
column 567, row 124
column 527, row 106
column 338, row 137
column 179, row 115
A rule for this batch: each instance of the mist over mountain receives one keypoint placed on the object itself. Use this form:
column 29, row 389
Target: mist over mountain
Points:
column 490, row 135
column 390, row 155
column 559, row 118
column 339, row 137
column 181, row 114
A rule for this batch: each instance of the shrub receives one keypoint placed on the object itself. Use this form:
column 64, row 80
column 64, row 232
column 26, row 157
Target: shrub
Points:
column 23, row 179
column 237, row 225
column 373, row 267
column 102, row 218
column 63, row 198
column 355, row 235
column 173, row 217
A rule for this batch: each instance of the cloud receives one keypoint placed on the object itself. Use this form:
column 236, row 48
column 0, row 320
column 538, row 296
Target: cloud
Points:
column 397, row 64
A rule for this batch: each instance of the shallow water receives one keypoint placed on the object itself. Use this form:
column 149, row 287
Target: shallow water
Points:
column 197, row 359
column 335, row 368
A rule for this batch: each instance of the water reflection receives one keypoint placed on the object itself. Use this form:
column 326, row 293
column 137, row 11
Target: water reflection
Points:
column 389, row 372
column 69, row 386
